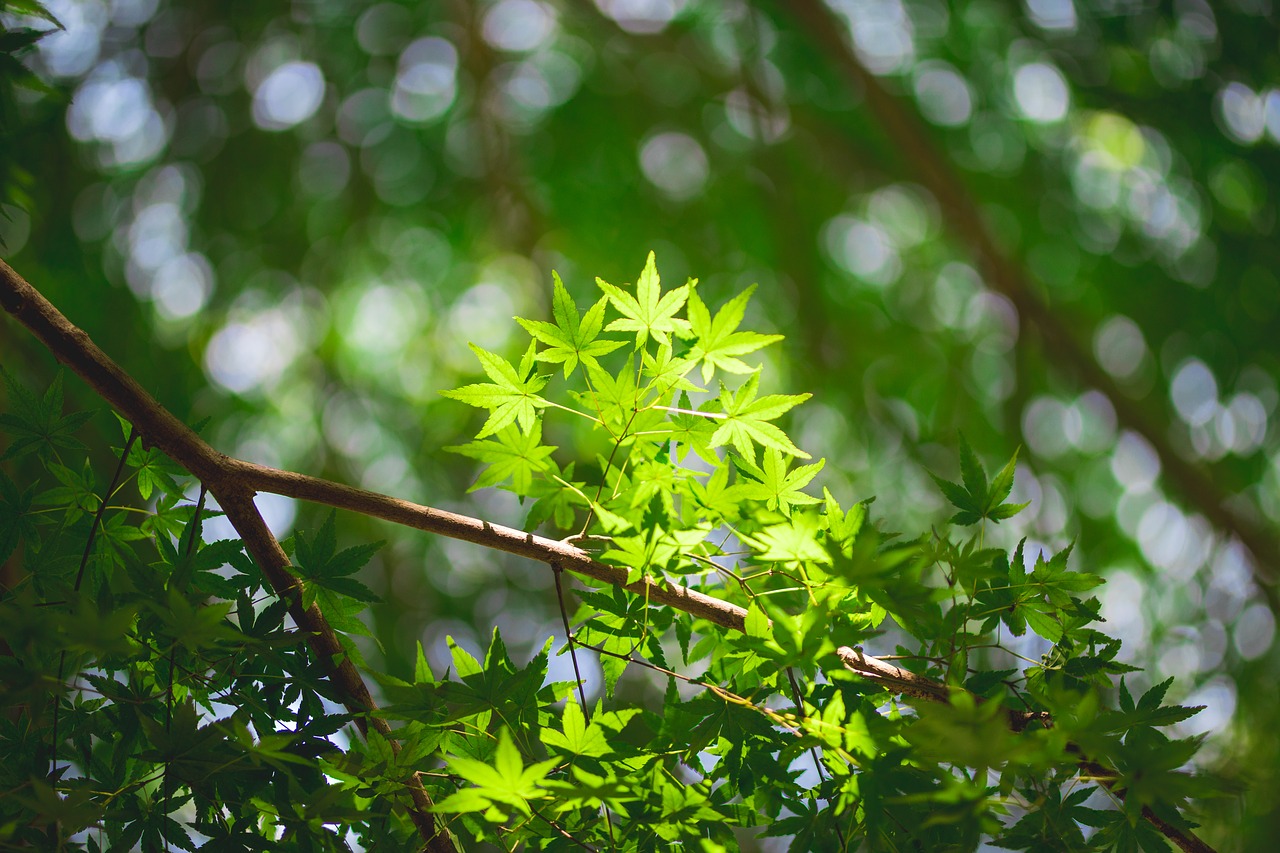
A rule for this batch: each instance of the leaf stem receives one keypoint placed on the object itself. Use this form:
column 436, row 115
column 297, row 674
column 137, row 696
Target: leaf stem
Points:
column 718, row 416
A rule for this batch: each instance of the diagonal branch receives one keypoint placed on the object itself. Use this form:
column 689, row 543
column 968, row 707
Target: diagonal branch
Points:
column 238, row 505
column 233, row 482
column 71, row 346
column 961, row 213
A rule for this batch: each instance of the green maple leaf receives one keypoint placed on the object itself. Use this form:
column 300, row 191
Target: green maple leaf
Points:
column 693, row 430
column 509, row 397
column 554, row 501
column 1147, row 712
column 187, row 569
column 778, row 486
column 1056, row 582
column 579, row 737
column 649, row 313
column 793, row 542
column 977, row 500
column 326, row 572
column 652, row 479
column 36, row 10
column 507, row 782
column 716, row 498
column 746, row 421
column 572, row 337
column 77, row 493
column 515, row 455
column 668, row 373
column 654, row 547
column 635, row 553
column 718, row 343
column 614, row 397
column 844, row 527
column 1042, row 598
column 37, row 423
column 16, row 518
column 154, row 471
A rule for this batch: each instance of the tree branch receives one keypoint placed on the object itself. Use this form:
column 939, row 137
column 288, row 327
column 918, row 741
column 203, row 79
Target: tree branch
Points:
column 233, row 482
column 961, row 213
column 71, row 346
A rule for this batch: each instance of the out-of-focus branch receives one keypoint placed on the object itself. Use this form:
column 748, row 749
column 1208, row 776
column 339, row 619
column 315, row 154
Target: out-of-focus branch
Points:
column 233, row 482
column 961, row 214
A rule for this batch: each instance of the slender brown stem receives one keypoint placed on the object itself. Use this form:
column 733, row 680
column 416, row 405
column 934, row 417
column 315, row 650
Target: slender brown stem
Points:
column 84, row 562
column 564, row 833
column 192, row 542
column 577, row 674
column 568, row 638
column 102, row 507
column 813, row 750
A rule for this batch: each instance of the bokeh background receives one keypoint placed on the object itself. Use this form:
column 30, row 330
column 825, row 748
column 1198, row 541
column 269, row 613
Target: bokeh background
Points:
column 1045, row 224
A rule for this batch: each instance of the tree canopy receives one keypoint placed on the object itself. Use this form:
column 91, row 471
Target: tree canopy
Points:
column 1038, row 231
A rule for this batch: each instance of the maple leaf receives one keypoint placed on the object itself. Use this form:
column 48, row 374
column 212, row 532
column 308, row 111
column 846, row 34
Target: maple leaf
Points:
column 976, row 499
column 776, row 485
column 655, row 547
column 716, row 498
column 154, row 471
column 652, row 479
column 572, row 337
column 746, row 421
column 1056, row 582
column 510, row 397
column 649, row 313
column 613, row 397
column 38, row 421
column 635, row 553
column 515, row 455
column 693, row 429
column 668, row 373
column 556, row 495
column 16, row 518
column 793, row 542
column 508, row 782
column 579, row 737
column 326, row 572
column 844, row 527
column 718, row 343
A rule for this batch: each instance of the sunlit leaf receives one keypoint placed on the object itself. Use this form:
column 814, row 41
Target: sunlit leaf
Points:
column 510, row 398
column 649, row 313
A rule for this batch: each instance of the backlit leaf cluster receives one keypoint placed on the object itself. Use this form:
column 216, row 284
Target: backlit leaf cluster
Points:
column 695, row 480
column 159, row 695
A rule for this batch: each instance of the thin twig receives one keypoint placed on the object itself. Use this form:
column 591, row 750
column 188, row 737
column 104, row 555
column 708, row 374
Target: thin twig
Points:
column 84, row 562
column 568, row 635
column 577, row 674
column 813, row 750
column 564, row 832
column 190, row 548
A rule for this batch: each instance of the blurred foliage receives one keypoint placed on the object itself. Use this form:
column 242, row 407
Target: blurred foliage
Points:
column 291, row 220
